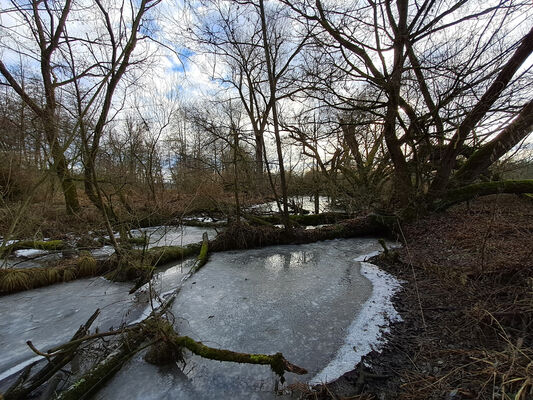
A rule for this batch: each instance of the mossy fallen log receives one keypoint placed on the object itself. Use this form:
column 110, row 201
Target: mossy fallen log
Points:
column 138, row 265
column 157, row 331
column 165, row 254
column 133, row 265
column 469, row 192
column 277, row 362
column 18, row 279
column 243, row 236
column 97, row 376
column 49, row 245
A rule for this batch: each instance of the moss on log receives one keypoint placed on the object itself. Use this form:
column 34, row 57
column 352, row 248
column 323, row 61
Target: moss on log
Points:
column 18, row 279
column 165, row 254
column 276, row 361
column 137, row 265
column 202, row 257
column 243, row 236
column 50, row 245
column 468, row 192
column 97, row 376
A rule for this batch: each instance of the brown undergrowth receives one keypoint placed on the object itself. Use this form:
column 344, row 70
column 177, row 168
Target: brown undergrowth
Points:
column 467, row 305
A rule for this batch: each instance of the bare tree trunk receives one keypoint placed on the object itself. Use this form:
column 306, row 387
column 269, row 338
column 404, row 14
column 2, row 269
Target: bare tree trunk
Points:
column 478, row 112
column 497, row 147
column 275, row 120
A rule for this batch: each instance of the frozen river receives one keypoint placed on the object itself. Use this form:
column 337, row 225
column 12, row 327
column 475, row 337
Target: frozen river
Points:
column 316, row 303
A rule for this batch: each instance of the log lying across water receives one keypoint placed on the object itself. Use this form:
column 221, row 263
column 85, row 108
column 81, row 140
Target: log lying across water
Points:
column 243, row 236
column 138, row 265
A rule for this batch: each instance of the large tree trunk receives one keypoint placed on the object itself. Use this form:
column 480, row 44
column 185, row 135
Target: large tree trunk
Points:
column 272, row 84
column 481, row 189
column 483, row 158
column 478, row 112
column 68, row 185
column 403, row 187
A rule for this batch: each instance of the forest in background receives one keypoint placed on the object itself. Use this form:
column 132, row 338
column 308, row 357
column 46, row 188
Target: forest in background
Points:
column 377, row 105
column 118, row 115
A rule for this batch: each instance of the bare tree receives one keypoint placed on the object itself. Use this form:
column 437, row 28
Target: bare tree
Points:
column 445, row 76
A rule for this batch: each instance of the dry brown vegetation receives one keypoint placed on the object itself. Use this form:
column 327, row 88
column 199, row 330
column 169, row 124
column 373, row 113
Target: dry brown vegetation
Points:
column 467, row 304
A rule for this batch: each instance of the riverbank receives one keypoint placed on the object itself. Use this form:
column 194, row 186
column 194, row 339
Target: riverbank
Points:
column 467, row 306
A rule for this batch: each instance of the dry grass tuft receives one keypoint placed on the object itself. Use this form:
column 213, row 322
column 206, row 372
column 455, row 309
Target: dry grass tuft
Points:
column 87, row 265
column 12, row 280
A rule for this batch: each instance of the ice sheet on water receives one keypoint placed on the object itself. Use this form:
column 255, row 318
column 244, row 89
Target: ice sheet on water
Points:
column 30, row 253
column 50, row 315
column 174, row 235
column 305, row 202
column 300, row 300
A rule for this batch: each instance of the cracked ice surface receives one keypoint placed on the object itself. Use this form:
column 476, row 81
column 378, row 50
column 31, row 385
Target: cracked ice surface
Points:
column 49, row 316
column 303, row 301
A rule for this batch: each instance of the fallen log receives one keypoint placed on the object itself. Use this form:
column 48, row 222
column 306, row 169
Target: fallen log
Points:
column 97, row 376
column 32, row 244
column 14, row 280
column 243, row 236
column 299, row 219
column 138, row 265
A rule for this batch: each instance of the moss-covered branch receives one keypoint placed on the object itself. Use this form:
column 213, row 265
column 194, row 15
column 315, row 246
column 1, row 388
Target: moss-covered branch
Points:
column 482, row 189
column 276, row 361
column 32, row 244
column 97, row 376
column 202, row 257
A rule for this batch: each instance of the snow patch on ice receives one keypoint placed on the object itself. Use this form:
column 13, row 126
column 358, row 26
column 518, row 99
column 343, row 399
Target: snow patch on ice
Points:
column 366, row 331
column 30, row 253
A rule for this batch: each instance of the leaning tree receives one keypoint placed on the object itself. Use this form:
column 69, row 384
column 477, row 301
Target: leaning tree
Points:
column 452, row 82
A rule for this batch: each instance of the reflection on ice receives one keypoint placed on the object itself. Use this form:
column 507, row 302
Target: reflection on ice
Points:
column 310, row 302
column 300, row 300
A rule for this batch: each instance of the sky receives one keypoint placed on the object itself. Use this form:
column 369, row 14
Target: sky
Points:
column 175, row 71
